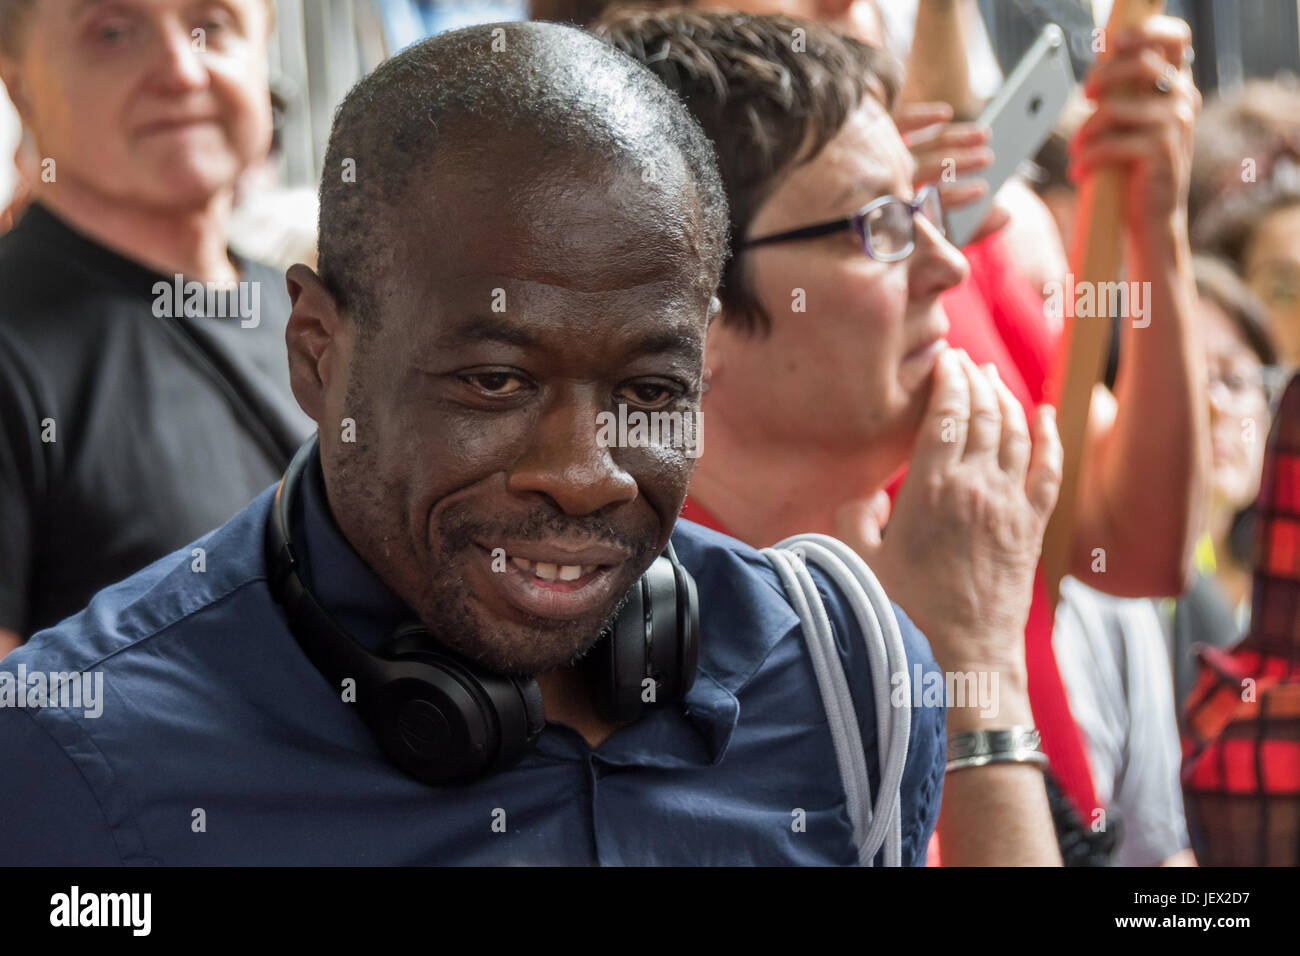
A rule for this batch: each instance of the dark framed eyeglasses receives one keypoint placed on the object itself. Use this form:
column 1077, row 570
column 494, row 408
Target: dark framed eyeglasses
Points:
column 885, row 226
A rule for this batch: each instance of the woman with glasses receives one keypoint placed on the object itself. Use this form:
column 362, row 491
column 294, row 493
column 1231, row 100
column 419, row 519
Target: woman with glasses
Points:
column 829, row 371
column 1242, row 368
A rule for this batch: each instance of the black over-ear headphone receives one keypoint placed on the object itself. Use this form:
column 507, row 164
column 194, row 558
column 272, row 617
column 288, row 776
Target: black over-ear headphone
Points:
column 445, row 719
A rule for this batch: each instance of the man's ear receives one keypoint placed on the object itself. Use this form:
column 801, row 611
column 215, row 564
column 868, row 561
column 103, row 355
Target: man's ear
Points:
column 319, row 339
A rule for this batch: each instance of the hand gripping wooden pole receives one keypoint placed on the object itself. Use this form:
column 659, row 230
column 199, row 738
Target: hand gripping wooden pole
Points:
column 1095, row 257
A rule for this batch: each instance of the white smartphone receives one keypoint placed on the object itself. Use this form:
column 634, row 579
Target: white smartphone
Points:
column 1019, row 119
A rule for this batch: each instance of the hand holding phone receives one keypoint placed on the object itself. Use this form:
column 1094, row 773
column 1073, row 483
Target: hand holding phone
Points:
column 1019, row 119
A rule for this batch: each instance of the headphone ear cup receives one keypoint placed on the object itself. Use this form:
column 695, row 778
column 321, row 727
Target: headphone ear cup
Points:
column 534, row 710
column 445, row 723
column 616, row 665
column 655, row 636
column 688, row 628
column 662, row 644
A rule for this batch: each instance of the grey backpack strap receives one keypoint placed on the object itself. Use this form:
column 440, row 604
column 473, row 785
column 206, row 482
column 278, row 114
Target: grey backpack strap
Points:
column 873, row 826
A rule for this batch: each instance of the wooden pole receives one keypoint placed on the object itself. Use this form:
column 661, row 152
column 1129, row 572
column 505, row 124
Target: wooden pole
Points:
column 1095, row 257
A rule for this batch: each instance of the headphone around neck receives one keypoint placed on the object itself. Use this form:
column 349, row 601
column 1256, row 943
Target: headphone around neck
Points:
column 445, row 719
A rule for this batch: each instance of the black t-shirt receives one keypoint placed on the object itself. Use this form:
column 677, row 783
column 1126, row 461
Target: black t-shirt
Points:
column 125, row 433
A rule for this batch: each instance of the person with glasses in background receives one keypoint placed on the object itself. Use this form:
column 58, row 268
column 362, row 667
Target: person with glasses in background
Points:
column 830, row 373
column 1243, row 376
column 886, row 227
column 829, row 369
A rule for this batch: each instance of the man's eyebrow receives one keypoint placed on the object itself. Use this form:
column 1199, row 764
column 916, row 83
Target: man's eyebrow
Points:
column 658, row 343
column 483, row 329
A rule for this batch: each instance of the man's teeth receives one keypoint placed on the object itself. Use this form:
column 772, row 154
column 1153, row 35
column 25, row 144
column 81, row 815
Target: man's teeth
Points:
column 554, row 572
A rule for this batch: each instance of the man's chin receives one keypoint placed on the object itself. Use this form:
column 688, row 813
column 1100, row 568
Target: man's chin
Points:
column 522, row 650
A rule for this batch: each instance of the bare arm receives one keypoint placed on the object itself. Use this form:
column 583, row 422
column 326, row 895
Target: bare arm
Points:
column 996, row 815
column 937, row 68
column 9, row 640
column 1147, row 455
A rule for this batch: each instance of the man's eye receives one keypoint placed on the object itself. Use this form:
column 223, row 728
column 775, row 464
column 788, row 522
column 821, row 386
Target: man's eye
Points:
column 647, row 393
column 498, row 383
column 112, row 34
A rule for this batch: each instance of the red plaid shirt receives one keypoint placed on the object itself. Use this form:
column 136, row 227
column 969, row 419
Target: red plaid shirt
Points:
column 1241, row 750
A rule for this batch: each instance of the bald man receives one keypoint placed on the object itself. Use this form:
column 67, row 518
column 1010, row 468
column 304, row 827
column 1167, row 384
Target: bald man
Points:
column 458, row 631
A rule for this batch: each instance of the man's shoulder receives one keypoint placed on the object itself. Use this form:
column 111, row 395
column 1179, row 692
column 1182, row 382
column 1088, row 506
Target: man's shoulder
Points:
column 35, row 268
column 711, row 555
column 156, row 610
column 745, row 614
column 743, row 609
column 742, row 596
column 56, row 316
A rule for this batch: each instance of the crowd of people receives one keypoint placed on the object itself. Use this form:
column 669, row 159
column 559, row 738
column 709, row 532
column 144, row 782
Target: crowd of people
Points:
column 734, row 211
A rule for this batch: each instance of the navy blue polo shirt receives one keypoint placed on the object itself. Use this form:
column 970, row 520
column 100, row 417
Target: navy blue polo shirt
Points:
column 217, row 742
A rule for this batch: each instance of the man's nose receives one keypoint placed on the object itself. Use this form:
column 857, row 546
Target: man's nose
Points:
column 565, row 462
column 177, row 60
column 936, row 264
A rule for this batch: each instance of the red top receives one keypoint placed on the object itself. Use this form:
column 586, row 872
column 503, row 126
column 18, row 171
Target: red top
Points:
column 1241, row 745
column 998, row 317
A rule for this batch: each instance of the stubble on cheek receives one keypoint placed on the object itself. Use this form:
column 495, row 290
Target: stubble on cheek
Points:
column 452, row 609
column 429, row 550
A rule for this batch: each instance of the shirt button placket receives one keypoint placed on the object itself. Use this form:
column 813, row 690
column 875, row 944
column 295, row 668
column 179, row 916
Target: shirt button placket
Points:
column 597, row 769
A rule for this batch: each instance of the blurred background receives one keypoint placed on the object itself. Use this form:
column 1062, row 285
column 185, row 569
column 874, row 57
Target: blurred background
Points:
column 1243, row 210
column 321, row 47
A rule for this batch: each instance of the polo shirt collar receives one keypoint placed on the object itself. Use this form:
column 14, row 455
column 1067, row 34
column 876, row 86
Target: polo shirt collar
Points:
column 345, row 586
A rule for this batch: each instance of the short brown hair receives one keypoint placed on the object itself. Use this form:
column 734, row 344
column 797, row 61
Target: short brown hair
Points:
column 1216, row 282
column 770, row 91
column 1259, row 122
column 1228, row 229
